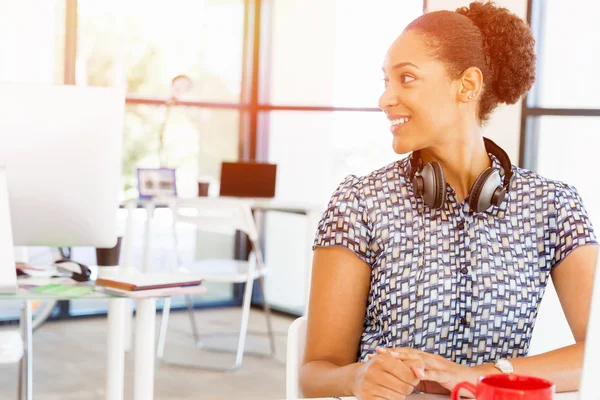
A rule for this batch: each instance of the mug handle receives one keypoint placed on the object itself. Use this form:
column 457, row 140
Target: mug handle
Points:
column 463, row 385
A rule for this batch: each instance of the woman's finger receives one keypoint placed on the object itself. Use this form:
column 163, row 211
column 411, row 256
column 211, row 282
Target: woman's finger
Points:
column 398, row 368
column 397, row 352
column 393, row 386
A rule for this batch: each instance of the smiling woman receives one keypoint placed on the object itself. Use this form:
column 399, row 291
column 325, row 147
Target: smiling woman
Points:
column 430, row 270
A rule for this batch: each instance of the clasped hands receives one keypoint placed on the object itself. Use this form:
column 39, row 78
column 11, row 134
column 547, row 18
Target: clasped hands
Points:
column 395, row 373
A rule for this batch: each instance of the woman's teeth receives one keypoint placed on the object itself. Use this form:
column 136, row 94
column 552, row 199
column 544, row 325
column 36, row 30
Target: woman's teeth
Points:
column 399, row 121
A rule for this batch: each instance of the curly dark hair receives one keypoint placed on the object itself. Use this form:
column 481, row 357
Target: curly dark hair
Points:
column 488, row 37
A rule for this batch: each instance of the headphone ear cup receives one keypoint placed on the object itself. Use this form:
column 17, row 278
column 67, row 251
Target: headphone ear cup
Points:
column 433, row 185
column 440, row 185
column 418, row 184
column 484, row 193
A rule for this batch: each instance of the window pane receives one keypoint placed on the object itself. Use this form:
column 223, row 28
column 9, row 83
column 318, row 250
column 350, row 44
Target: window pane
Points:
column 568, row 148
column 32, row 41
column 195, row 142
column 336, row 58
column 199, row 38
column 568, row 151
column 570, row 55
column 318, row 149
column 100, row 44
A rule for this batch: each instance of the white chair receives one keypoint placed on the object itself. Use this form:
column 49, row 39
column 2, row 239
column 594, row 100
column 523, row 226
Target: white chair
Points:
column 11, row 347
column 12, row 351
column 296, row 341
column 220, row 215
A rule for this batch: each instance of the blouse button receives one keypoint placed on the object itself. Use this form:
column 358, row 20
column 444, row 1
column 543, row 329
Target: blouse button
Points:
column 464, row 270
column 461, row 225
column 463, row 321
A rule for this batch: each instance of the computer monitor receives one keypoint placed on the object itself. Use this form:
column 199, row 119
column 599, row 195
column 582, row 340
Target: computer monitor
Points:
column 61, row 148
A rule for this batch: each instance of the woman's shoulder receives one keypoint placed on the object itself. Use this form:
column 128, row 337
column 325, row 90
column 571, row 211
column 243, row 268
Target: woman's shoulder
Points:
column 392, row 172
column 537, row 185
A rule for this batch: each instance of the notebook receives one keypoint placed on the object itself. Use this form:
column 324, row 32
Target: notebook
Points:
column 149, row 281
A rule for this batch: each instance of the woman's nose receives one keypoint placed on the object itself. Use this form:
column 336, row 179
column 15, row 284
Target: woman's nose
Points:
column 387, row 100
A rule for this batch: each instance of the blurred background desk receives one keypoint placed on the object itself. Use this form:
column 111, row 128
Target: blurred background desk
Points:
column 287, row 249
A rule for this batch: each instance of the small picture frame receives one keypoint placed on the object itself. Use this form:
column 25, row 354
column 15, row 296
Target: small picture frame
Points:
column 156, row 183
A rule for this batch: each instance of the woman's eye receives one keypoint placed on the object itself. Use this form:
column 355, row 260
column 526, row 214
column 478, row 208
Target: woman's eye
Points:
column 405, row 78
column 386, row 81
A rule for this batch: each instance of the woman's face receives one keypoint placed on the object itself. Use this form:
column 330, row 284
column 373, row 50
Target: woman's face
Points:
column 420, row 99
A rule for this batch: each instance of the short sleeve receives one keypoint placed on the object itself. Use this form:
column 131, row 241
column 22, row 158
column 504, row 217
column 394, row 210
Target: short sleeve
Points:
column 573, row 225
column 344, row 223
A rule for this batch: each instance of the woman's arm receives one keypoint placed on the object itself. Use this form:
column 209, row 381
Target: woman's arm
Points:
column 338, row 298
column 573, row 280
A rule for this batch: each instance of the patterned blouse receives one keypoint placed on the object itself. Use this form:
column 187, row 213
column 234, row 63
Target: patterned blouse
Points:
column 453, row 282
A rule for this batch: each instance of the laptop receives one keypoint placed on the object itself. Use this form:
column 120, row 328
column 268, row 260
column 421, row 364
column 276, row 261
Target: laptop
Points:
column 248, row 179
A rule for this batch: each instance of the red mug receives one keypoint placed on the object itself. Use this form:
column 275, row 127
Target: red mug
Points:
column 508, row 387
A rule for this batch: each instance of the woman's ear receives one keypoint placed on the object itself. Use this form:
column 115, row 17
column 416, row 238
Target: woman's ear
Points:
column 471, row 82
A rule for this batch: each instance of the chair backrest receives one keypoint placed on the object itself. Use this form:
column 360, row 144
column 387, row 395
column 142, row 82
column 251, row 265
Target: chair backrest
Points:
column 296, row 342
column 216, row 214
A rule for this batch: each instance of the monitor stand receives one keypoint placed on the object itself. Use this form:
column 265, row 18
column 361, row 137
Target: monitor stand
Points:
column 8, row 271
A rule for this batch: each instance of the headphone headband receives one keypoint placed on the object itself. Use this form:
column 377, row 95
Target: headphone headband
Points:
column 416, row 162
column 505, row 163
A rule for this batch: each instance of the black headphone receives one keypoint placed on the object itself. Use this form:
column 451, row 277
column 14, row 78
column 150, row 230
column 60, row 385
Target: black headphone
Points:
column 76, row 271
column 488, row 189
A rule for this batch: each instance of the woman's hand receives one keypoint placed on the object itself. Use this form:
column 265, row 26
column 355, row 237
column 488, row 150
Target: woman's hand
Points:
column 386, row 377
column 438, row 369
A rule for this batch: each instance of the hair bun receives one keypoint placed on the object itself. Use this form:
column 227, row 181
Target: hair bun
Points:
column 509, row 48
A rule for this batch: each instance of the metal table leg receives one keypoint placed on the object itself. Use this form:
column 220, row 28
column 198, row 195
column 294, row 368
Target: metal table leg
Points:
column 143, row 380
column 26, row 365
column 115, row 363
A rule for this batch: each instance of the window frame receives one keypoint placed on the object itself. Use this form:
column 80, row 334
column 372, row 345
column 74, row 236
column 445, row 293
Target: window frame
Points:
column 530, row 112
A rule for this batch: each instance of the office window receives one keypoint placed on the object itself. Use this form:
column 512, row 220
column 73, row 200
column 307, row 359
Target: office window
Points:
column 144, row 46
column 316, row 150
column 562, row 113
column 32, row 41
column 572, row 159
column 332, row 57
column 101, row 43
column 561, row 121
column 335, row 61
column 570, row 55
column 156, row 41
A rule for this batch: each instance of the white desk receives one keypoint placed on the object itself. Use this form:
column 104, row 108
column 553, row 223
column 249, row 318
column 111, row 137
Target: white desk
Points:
column 115, row 352
column 558, row 396
column 145, row 349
